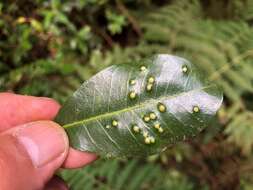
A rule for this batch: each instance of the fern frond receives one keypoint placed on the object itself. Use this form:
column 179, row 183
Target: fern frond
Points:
column 125, row 175
column 241, row 126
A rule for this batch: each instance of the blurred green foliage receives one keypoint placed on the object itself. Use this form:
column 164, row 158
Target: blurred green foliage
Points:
column 48, row 48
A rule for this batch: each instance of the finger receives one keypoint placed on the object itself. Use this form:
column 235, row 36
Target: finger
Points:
column 30, row 154
column 77, row 159
column 56, row 184
column 18, row 109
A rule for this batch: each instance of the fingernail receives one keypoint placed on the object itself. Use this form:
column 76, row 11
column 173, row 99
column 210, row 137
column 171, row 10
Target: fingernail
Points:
column 44, row 141
column 50, row 100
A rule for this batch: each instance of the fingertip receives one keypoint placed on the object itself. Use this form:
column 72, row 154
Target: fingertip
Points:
column 47, row 108
column 19, row 109
column 77, row 159
column 44, row 141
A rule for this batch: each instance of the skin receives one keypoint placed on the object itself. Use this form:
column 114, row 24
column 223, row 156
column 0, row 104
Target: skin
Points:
column 32, row 146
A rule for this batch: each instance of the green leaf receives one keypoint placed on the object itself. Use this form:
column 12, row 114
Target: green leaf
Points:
column 139, row 108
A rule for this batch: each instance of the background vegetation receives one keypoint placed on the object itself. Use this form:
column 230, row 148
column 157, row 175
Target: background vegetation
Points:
column 49, row 47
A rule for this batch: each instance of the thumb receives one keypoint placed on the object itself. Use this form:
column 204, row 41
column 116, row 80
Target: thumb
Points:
column 30, row 154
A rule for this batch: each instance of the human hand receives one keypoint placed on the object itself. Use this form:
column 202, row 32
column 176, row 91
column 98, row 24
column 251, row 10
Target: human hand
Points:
column 32, row 147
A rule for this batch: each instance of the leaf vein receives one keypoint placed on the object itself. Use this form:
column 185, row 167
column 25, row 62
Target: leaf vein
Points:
column 138, row 106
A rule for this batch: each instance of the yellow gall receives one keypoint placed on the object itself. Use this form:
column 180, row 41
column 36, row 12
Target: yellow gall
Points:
column 185, row 69
column 152, row 116
column 160, row 130
column 132, row 95
column 147, row 140
column 146, row 118
column 143, row 68
column 152, row 139
column 132, row 82
column 149, row 87
column 136, row 129
column 114, row 123
column 157, row 125
column 196, row 109
column 145, row 134
column 151, row 80
column 161, row 107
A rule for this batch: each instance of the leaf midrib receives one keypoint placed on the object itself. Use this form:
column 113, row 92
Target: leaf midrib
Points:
column 138, row 106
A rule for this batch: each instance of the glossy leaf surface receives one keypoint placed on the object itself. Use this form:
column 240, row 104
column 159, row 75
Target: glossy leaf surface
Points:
column 139, row 108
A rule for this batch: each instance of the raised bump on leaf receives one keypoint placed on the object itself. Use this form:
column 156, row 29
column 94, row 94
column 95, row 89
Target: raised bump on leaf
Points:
column 132, row 95
column 146, row 118
column 151, row 80
column 147, row 140
column 132, row 82
column 152, row 139
column 115, row 123
column 185, row 69
column 149, row 87
column 152, row 116
column 145, row 134
column 136, row 128
column 143, row 68
column 160, row 130
column 196, row 109
column 157, row 125
column 161, row 107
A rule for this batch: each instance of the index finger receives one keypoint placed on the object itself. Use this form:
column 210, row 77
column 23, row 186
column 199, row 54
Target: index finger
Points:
column 18, row 109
